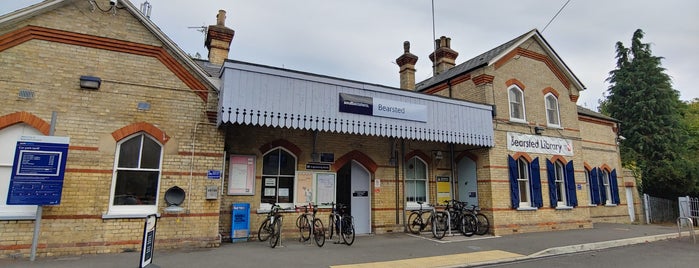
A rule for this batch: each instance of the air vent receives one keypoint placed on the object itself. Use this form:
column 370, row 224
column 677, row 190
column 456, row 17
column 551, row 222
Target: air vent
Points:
column 144, row 106
column 26, row 94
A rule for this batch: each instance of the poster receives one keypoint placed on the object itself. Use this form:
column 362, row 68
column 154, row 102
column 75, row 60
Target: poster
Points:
column 241, row 179
column 304, row 188
column 325, row 187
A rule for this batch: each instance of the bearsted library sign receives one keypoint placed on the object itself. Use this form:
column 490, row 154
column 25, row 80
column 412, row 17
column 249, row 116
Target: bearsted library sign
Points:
column 519, row 142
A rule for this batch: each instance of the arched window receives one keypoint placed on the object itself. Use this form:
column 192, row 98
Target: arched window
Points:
column 136, row 179
column 524, row 183
column 553, row 117
column 416, row 181
column 559, row 181
column 8, row 143
column 516, row 98
column 278, row 172
column 607, row 187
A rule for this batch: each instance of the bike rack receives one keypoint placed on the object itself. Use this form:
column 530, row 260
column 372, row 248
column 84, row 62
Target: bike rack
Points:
column 691, row 228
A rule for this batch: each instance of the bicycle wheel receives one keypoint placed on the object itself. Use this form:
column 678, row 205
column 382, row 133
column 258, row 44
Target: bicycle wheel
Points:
column 439, row 225
column 470, row 224
column 318, row 232
column 415, row 222
column 304, row 227
column 276, row 232
column 331, row 226
column 347, row 231
column 483, row 224
column 263, row 233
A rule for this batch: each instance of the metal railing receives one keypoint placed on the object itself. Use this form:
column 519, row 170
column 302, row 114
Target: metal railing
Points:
column 689, row 213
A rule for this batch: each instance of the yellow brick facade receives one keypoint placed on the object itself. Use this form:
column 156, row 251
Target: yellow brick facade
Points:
column 50, row 68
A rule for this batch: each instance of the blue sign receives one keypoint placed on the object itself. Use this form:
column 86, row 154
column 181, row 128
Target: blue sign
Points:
column 213, row 174
column 37, row 172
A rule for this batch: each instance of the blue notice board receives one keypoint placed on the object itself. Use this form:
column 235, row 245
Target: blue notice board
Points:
column 37, row 170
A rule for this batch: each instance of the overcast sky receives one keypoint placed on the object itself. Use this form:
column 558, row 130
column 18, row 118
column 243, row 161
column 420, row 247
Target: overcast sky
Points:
column 360, row 39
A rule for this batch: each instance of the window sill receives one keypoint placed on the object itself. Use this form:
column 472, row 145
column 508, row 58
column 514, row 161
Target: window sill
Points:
column 520, row 121
column 18, row 218
column 564, row 208
column 127, row 216
column 610, row 205
column 526, row 208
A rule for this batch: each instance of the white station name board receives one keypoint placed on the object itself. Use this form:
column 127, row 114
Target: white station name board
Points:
column 519, row 142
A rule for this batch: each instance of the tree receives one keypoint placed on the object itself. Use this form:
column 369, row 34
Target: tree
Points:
column 642, row 98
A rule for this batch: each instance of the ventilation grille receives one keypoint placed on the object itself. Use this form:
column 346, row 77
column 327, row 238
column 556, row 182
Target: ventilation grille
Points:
column 26, row 94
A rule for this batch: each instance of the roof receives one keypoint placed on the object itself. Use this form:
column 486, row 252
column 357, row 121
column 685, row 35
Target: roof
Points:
column 493, row 55
column 591, row 113
column 178, row 53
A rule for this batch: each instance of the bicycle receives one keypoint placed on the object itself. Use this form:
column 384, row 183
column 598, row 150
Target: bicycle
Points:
column 271, row 227
column 304, row 221
column 437, row 219
column 460, row 218
column 482, row 223
column 341, row 223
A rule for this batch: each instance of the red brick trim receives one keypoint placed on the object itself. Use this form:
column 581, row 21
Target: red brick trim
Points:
column 466, row 154
column 86, row 170
column 358, row 156
column 27, row 118
column 535, row 56
column 558, row 158
column 548, row 90
column 185, row 153
column 574, row 98
column 152, row 130
column 483, row 79
column 587, row 166
column 596, row 121
column 281, row 143
column 83, row 148
column 514, row 81
column 606, row 167
column 522, row 154
column 419, row 154
column 31, row 32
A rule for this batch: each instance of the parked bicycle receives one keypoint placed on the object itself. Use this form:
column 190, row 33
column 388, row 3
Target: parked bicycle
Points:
column 437, row 219
column 459, row 217
column 310, row 226
column 482, row 223
column 271, row 227
column 340, row 223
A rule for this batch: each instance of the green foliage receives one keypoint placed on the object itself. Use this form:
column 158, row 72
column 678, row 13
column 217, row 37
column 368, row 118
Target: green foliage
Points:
column 642, row 98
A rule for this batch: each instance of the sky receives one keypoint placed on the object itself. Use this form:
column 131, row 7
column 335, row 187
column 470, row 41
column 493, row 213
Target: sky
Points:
column 361, row 39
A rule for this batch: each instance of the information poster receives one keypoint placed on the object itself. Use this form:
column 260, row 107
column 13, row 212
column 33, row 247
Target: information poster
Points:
column 37, row 171
column 304, row 188
column 241, row 180
column 148, row 241
column 325, row 187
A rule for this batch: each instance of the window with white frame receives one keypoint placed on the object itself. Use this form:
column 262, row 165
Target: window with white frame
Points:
column 552, row 111
column 416, row 181
column 278, row 173
column 559, row 172
column 8, row 143
column 607, row 188
column 523, row 182
column 136, row 179
column 516, row 98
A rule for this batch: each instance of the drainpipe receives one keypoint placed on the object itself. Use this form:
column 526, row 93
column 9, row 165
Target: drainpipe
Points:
column 452, row 162
column 402, row 180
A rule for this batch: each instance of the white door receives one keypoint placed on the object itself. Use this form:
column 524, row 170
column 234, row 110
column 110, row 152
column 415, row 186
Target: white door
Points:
column 467, row 182
column 8, row 143
column 629, row 203
column 361, row 198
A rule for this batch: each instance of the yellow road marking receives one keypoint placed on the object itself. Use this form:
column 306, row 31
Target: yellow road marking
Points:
column 438, row 261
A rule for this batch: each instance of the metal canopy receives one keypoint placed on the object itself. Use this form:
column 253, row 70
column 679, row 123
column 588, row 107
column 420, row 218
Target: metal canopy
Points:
column 272, row 97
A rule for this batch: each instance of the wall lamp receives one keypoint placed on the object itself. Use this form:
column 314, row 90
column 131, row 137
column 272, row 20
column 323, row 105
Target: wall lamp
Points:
column 538, row 130
column 90, row 82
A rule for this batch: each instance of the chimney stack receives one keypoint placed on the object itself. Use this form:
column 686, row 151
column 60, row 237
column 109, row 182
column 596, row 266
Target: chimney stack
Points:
column 218, row 39
column 446, row 57
column 406, row 63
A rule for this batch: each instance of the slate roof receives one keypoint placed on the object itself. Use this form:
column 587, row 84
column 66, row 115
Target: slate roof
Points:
column 591, row 113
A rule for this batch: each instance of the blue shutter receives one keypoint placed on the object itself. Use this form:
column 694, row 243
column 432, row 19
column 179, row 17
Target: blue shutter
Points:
column 614, row 186
column 514, row 186
column 602, row 189
column 570, row 185
column 537, row 200
column 594, row 186
column 551, row 172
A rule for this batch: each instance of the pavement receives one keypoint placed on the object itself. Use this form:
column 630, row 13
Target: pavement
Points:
column 384, row 250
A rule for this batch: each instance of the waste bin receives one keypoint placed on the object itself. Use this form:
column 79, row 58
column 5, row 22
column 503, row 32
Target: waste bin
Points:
column 240, row 222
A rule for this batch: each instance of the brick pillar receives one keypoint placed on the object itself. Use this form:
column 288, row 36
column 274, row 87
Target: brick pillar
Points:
column 446, row 57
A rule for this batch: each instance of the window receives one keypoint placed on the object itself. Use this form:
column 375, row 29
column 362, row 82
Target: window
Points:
column 278, row 173
column 136, row 178
column 561, row 184
column 590, row 187
column 552, row 115
column 607, row 188
column 416, row 181
column 8, row 143
column 525, row 183
column 604, row 187
column 516, row 97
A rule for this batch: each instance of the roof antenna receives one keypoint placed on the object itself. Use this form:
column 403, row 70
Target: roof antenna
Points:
column 146, row 8
column 201, row 29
